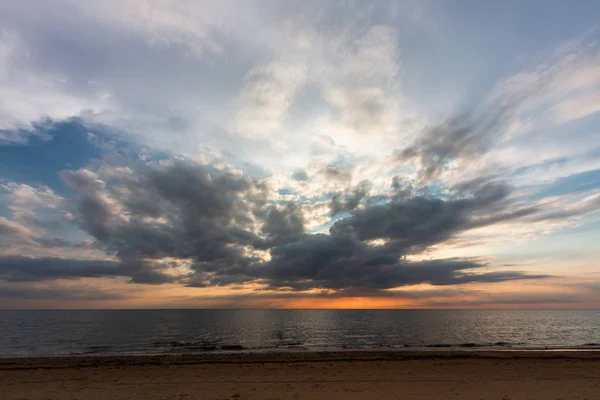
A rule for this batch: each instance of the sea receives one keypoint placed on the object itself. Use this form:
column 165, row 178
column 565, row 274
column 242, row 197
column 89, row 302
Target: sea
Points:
column 118, row 332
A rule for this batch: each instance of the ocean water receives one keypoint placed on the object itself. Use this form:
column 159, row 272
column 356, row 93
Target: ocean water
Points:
column 103, row 332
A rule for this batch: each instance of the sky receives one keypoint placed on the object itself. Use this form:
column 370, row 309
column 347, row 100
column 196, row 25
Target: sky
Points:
column 299, row 154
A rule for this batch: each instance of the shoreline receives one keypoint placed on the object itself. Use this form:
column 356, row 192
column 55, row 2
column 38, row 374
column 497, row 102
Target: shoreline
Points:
column 412, row 351
column 283, row 357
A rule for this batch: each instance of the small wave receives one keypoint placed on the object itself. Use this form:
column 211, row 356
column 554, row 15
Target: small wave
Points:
column 96, row 349
column 180, row 345
column 471, row 345
column 290, row 344
column 468, row 345
column 233, row 347
column 191, row 346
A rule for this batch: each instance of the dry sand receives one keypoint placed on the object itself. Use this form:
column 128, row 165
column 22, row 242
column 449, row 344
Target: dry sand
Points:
column 327, row 375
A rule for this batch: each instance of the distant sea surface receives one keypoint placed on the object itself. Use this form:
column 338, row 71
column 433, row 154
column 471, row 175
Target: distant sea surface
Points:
column 104, row 332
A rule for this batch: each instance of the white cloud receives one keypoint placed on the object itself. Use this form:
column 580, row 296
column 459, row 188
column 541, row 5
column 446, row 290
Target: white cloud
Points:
column 40, row 224
column 27, row 96
column 21, row 195
column 253, row 79
column 203, row 74
column 33, row 209
column 266, row 98
column 161, row 23
column 540, row 135
column 365, row 91
column 563, row 88
column 578, row 107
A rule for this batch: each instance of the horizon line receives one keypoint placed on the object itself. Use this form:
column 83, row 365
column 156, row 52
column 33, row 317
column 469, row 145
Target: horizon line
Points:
column 299, row 309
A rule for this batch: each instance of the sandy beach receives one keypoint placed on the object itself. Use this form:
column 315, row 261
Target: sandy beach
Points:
column 499, row 375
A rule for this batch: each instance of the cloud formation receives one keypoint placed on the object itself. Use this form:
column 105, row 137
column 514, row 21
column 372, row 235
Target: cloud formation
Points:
column 30, row 269
column 289, row 148
column 69, row 293
column 179, row 221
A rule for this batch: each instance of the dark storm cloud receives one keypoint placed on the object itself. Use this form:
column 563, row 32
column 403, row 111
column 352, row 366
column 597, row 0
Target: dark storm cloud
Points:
column 32, row 269
column 425, row 219
column 401, row 187
column 204, row 215
column 283, row 224
column 364, row 269
column 64, row 293
column 412, row 221
column 343, row 262
column 152, row 216
column 92, row 206
column 22, row 269
column 214, row 220
column 345, row 259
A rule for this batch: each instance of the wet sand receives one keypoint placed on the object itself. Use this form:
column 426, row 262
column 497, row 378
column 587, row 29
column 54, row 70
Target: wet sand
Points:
column 500, row 375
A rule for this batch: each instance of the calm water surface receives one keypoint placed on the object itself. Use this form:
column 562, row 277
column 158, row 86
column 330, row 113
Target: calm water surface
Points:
column 46, row 333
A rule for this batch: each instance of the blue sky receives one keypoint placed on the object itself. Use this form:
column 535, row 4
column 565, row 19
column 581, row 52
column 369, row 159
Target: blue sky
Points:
column 299, row 154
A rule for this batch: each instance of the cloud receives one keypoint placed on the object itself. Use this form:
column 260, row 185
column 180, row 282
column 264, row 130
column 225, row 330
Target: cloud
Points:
column 192, row 26
column 64, row 293
column 29, row 97
column 337, row 174
column 170, row 210
column 284, row 224
column 349, row 200
column 220, row 74
column 97, row 210
column 367, row 249
column 522, row 112
column 25, row 196
column 566, row 84
column 343, row 262
column 67, row 292
column 513, row 299
column 179, row 221
column 316, row 97
column 37, row 217
column 12, row 233
column 300, row 175
column 50, row 70
column 463, row 138
column 263, row 297
column 587, row 205
column 577, row 108
column 368, row 66
column 30, row 269
column 266, row 97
